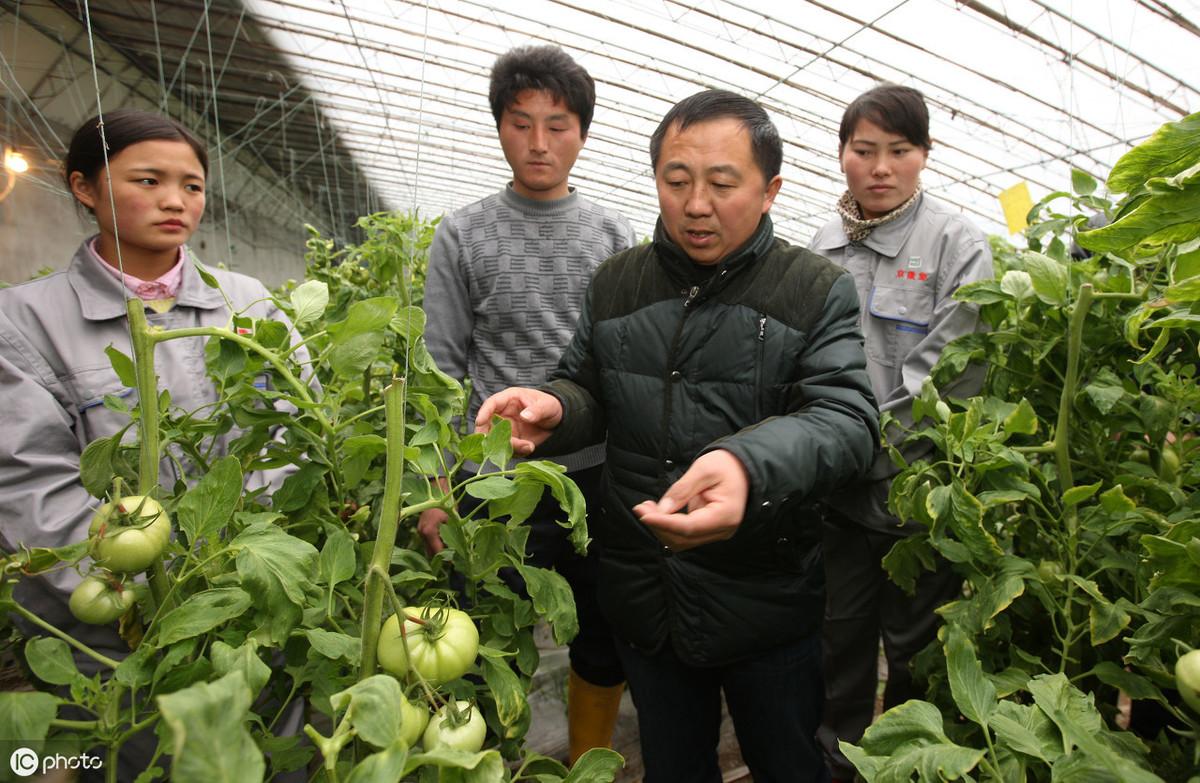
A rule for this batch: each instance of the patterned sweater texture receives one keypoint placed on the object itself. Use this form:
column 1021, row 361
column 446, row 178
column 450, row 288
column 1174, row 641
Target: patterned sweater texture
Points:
column 506, row 283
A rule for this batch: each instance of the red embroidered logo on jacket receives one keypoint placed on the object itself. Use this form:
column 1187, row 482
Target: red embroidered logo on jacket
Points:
column 910, row 275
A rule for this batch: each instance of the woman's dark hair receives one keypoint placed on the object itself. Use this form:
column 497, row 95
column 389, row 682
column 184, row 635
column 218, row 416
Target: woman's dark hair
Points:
column 765, row 143
column 123, row 128
column 896, row 109
column 546, row 68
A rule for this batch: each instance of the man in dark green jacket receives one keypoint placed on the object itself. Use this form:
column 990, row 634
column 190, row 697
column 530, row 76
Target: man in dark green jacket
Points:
column 726, row 369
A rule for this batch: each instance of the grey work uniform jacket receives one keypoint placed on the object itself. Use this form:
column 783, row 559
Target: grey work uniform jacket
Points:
column 54, row 376
column 906, row 273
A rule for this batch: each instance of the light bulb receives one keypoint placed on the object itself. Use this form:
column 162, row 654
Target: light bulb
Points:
column 15, row 162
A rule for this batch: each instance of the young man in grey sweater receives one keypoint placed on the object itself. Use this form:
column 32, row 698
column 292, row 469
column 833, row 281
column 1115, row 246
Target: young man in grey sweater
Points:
column 506, row 283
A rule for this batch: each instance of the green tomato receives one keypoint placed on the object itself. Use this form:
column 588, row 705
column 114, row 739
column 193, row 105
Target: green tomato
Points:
column 414, row 717
column 1168, row 468
column 1187, row 679
column 462, row 732
column 129, row 535
column 99, row 602
column 1050, row 570
column 439, row 648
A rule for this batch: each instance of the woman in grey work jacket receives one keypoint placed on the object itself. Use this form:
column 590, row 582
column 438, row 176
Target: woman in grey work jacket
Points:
column 908, row 254
column 54, row 373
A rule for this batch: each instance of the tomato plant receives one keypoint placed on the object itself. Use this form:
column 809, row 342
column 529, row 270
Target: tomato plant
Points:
column 99, row 600
column 129, row 534
column 1066, row 495
column 458, row 727
column 294, row 527
column 438, row 644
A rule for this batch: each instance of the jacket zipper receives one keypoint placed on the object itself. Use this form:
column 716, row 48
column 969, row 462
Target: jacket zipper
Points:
column 689, row 297
column 758, row 367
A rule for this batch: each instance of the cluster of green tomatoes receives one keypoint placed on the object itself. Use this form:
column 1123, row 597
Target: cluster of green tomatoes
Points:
column 127, row 535
column 434, row 645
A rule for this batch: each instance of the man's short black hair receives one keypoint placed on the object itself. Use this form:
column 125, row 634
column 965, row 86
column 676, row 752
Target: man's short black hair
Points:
column 546, row 68
column 718, row 104
column 896, row 109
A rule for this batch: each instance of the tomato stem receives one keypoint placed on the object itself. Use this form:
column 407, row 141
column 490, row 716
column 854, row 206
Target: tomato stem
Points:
column 71, row 640
column 148, row 449
column 377, row 581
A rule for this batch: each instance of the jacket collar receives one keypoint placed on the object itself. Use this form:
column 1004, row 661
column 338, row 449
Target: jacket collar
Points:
column 101, row 296
column 886, row 240
column 679, row 264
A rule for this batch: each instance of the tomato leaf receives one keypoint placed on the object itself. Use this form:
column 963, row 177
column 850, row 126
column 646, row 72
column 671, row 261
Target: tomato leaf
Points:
column 201, row 613
column 565, row 491
column 209, row 738
column 206, row 276
column 50, row 661
column 484, row 767
column 908, row 558
column 974, row 693
column 409, row 323
column 309, row 301
column 1082, row 727
column 598, row 765
column 1076, row 495
column 1082, row 183
column 25, row 716
column 491, row 488
column 1049, row 278
column 505, row 687
column 298, row 488
column 337, row 563
column 1172, row 148
column 96, row 464
column 497, row 444
column 208, row 507
column 243, row 659
column 335, row 646
column 1027, row 730
column 123, row 365
column 912, row 739
column 370, row 706
column 383, row 767
column 358, row 451
column 275, row 567
column 552, row 598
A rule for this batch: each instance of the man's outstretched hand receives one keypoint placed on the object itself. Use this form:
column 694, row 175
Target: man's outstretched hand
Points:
column 713, row 491
column 534, row 415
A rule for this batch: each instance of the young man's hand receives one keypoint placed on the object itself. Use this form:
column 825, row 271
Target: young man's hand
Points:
column 534, row 415
column 714, row 492
column 430, row 522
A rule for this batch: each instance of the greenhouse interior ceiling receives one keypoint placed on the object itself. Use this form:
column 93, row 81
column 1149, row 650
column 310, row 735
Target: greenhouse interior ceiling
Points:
column 383, row 105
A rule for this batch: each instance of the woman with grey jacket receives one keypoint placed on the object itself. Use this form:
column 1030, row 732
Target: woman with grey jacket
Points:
column 147, row 196
column 908, row 253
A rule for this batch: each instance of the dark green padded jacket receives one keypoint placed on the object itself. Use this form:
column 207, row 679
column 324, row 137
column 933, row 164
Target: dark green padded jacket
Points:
column 760, row 355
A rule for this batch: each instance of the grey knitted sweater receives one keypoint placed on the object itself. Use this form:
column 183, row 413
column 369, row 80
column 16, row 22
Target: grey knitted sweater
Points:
column 506, row 282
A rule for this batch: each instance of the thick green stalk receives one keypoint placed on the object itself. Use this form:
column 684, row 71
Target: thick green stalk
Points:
column 1062, row 456
column 148, row 453
column 147, row 387
column 1062, row 441
column 389, row 524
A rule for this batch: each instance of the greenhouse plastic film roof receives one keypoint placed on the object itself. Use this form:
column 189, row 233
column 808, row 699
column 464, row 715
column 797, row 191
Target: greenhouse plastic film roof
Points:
column 1018, row 90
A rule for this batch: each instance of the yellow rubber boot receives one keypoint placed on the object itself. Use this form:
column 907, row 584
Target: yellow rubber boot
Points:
column 591, row 715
